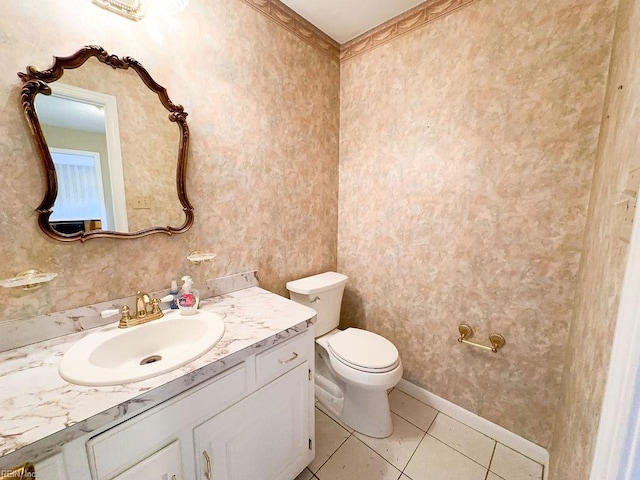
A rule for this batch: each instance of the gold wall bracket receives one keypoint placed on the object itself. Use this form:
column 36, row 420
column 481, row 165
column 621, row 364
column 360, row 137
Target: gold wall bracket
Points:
column 497, row 341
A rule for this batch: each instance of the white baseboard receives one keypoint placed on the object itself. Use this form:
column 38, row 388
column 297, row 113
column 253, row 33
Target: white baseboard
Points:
column 482, row 425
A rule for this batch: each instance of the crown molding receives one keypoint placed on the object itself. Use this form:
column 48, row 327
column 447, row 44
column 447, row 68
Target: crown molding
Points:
column 417, row 17
column 287, row 18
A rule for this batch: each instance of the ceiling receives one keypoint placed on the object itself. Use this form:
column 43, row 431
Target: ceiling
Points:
column 344, row 20
column 70, row 113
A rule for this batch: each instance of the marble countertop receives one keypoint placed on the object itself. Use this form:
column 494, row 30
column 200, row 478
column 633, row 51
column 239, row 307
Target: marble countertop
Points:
column 41, row 411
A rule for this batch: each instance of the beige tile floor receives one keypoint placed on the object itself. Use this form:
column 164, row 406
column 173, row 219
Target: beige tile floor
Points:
column 425, row 445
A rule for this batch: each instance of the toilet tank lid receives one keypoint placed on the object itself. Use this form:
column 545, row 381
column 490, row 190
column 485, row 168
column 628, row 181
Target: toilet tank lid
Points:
column 317, row 283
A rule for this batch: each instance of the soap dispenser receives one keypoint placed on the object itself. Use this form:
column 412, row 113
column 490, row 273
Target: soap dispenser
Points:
column 188, row 298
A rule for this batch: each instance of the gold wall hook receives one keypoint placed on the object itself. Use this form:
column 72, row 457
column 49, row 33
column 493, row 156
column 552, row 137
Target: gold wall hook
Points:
column 497, row 341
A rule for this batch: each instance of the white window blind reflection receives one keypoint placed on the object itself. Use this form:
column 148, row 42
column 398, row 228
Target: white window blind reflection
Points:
column 80, row 193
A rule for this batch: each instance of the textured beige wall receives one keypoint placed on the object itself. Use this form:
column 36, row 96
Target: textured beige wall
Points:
column 467, row 149
column 604, row 256
column 466, row 155
column 262, row 176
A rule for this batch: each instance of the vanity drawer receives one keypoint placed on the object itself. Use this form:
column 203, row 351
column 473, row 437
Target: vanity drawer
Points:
column 163, row 464
column 128, row 443
column 282, row 358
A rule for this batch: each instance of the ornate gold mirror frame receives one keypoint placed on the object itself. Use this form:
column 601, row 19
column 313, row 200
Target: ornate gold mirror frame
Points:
column 37, row 81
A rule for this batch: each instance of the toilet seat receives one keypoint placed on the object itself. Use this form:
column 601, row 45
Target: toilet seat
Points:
column 363, row 350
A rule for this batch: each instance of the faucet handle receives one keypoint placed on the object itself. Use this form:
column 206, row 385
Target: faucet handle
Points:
column 109, row 313
column 155, row 307
column 125, row 319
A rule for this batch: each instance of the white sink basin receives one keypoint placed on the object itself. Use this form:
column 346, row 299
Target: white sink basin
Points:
column 113, row 356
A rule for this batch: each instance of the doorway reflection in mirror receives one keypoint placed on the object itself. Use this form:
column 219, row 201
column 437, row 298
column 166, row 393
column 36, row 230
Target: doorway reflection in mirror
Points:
column 86, row 154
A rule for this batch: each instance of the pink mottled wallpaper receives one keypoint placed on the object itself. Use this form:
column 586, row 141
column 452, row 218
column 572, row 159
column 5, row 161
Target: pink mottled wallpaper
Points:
column 467, row 149
column 263, row 170
column 466, row 154
column 604, row 257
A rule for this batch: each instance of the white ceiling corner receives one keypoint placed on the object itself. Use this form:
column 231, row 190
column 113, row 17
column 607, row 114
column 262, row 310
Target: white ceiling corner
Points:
column 343, row 20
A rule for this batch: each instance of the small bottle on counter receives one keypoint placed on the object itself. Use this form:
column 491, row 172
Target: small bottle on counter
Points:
column 174, row 293
column 188, row 298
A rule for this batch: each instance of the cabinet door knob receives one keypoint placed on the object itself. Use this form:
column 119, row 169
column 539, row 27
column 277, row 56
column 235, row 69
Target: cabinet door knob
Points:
column 293, row 357
column 207, row 468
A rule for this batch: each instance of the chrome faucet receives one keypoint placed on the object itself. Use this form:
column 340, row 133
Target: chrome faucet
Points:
column 146, row 310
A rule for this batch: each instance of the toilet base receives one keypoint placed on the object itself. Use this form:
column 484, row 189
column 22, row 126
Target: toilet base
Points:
column 362, row 406
column 366, row 411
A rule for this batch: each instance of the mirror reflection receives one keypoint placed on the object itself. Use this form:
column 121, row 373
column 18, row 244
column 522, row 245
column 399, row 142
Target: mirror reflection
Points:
column 117, row 146
column 91, row 194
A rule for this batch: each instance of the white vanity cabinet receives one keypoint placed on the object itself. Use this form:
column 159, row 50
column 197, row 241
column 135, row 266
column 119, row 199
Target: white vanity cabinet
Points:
column 269, row 434
column 142, row 443
column 251, row 422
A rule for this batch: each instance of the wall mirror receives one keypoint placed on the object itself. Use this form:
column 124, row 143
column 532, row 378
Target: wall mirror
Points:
column 113, row 147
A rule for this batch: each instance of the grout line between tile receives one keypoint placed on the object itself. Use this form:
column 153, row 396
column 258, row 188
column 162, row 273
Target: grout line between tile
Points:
column 456, row 450
column 350, row 434
column 396, row 413
column 495, row 442
column 419, row 428
column 414, row 452
column 470, row 428
column 520, row 453
column 432, row 421
column 495, row 445
column 323, row 463
column 425, row 433
column 491, row 460
column 387, row 461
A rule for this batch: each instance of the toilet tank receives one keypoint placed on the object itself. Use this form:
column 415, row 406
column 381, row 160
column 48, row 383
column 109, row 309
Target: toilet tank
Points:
column 323, row 293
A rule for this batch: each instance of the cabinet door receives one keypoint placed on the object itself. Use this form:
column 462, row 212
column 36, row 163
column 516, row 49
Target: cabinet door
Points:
column 125, row 445
column 51, row 468
column 162, row 465
column 265, row 436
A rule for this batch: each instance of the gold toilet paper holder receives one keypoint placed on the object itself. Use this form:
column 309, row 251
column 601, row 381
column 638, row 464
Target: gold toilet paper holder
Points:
column 497, row 341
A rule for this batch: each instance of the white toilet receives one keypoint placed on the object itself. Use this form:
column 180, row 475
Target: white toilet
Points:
column 354, row 367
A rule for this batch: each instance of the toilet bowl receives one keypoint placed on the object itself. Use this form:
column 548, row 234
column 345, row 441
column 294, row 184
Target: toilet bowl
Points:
column 354, row 367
